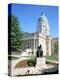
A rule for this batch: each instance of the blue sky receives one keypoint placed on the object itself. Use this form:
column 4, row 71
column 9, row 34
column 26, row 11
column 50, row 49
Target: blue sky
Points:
column 28, row 17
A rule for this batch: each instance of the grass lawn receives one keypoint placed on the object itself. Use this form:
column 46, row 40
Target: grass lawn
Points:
column 53, row 57
column 32, row 59
column 12, row 58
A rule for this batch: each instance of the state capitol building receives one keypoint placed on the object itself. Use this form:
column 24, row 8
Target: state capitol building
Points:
column 40, row 37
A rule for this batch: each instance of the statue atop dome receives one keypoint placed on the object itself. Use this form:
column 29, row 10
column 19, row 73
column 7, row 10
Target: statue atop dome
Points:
column 43, row 25
column 42, row 13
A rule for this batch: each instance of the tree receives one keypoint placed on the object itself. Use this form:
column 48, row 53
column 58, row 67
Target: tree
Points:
column 56, row 47
column 14, row 34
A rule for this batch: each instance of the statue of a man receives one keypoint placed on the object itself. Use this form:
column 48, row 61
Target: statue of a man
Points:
column 39, row 51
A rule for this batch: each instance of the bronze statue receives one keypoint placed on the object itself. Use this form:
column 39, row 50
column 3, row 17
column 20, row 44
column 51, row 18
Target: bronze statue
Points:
column 39, row 51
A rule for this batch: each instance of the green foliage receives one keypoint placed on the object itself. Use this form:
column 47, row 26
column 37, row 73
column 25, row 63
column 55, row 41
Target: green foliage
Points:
column 56, row 47
column 14, row 33
column 32, row 62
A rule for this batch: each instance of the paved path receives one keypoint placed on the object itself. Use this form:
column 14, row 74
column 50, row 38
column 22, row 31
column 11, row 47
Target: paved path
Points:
column 55, row 62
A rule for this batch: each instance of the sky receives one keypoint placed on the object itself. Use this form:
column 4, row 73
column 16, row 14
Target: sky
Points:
column 28, row 16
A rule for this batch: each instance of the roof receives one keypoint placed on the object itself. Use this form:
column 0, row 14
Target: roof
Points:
column 26, row 34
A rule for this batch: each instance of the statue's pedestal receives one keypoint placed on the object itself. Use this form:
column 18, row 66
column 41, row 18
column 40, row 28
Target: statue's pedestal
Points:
column 41, row 62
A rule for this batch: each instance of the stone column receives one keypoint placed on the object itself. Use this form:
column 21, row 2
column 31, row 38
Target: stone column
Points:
column 38, row 39
column 49, row 39
column 34, row 46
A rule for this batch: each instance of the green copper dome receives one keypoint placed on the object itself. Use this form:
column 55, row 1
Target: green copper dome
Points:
column 43, row 18
column 43, row 25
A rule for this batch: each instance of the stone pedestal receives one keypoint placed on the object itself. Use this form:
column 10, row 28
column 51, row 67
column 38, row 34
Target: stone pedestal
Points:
column 41, row 62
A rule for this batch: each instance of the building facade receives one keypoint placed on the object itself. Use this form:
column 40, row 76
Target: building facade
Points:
column 40, row 37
